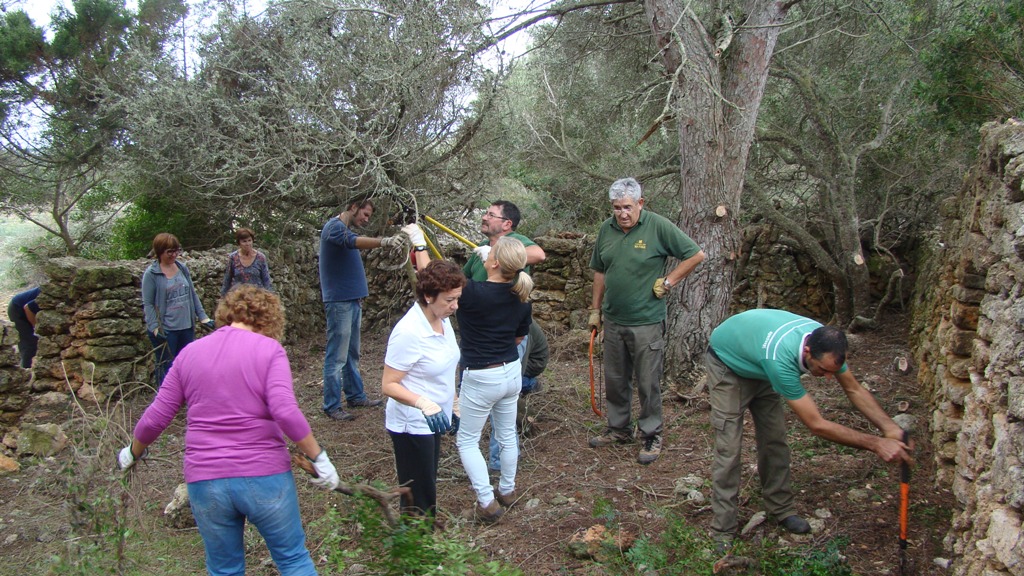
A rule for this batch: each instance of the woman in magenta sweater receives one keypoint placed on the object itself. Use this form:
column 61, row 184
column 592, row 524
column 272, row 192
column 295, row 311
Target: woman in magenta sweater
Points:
column 237, row 386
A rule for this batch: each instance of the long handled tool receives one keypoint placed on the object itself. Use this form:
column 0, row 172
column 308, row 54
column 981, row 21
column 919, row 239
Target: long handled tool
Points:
column 593, row 382
column 904, row 508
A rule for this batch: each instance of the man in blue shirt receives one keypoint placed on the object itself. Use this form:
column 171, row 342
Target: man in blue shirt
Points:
column 755, row 361
column 343, row 287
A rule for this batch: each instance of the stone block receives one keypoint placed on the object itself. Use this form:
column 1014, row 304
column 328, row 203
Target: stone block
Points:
column 958, row 367
column 964, row 316
column 106, row 327
column 108, row 353
column 960, row 342
column 131, row 294
column 967, row 295
column 1015, row 398
column 51, row 322
column 106, row 309
column 92, row 277
column 1004, row 540
column 41, row 439
column 972, row 281
column 565, row 246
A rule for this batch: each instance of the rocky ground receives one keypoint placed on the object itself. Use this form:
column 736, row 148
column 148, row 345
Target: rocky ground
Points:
column 565, row 486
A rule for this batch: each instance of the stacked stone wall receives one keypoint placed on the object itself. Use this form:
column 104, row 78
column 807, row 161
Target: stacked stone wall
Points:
column 93, row 340
column 969, row 343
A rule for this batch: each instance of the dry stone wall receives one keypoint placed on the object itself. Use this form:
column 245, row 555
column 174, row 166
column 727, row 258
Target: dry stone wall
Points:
column 93, row 340
column 969, row 331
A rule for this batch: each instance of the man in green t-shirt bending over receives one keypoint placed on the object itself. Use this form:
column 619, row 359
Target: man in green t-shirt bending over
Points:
column 755, row 361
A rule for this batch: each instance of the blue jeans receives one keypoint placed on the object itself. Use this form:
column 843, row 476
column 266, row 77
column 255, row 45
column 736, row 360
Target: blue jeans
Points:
column 221, row 508
column 166, row 349
column 341, row 361
column 493, row 393
column 493, row 460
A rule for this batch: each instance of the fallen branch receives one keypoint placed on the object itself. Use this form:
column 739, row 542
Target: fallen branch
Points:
column 383, row 497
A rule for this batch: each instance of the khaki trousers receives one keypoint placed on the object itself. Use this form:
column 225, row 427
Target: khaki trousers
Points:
column 731, row 396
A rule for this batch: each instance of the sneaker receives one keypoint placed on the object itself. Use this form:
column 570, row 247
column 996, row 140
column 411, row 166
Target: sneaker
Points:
column 366, row 403
column 340, row 415
column 722, row 546
column 795, row 524
column 650, row 451
column 488, row 515
column 506, row 500
column 608, row 438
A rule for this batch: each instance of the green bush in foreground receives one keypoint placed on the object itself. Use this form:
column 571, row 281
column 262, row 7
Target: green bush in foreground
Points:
column 687, row 549
column 410, row 548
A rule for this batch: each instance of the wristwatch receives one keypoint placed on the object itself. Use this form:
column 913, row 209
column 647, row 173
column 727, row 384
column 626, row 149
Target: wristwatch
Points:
column 666, row 283
column 420, row 248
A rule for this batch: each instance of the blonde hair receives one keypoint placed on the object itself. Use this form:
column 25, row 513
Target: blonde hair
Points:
column 510, row 255
column 255, row 307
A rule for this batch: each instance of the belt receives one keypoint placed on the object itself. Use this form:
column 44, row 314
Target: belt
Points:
column 489, row 366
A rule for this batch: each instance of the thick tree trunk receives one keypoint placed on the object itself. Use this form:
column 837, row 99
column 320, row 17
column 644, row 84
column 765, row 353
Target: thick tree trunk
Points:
column 719, row 81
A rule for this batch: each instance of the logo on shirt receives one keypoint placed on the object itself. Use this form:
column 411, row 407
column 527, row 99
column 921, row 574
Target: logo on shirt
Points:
column 640, row 245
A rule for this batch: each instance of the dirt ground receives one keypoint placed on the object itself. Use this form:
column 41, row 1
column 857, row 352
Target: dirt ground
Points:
column 561, row 480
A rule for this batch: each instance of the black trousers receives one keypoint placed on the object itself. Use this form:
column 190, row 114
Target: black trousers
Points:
column 416, row 461
column 28, row 342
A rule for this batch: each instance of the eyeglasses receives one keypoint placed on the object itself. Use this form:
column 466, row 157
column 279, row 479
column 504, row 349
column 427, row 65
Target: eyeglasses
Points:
column 494, row 216
column 174, row 251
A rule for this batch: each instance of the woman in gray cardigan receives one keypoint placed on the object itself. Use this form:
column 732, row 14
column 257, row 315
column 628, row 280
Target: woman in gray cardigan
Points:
column 170, row 304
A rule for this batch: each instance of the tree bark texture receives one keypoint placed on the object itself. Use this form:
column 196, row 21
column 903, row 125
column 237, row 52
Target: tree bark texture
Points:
column 719, row 67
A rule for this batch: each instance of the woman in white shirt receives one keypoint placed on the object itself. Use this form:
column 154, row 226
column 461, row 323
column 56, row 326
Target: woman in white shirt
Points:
column 419, row 381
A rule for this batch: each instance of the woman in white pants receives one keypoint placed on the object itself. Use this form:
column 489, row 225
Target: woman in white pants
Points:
column 493, row 317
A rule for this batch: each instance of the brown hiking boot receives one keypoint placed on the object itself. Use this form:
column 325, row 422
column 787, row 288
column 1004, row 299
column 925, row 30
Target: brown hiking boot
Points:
column 608, row 438
column 650, row 450
column 506, row 500
column 488, row 515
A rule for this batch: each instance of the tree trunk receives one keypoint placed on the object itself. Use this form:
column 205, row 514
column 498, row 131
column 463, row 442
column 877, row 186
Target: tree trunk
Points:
column 719, row 79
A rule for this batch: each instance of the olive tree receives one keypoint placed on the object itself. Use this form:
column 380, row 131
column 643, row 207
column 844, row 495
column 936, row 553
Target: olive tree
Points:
column 290, row 112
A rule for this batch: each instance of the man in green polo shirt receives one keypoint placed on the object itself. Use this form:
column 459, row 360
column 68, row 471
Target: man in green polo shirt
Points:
column 755, row 361
column 629, row 286
column 501, row 219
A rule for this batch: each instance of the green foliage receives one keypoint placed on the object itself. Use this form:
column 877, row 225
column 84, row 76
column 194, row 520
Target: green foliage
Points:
column 829, row 561
column 684, row 548
column 569, row 119
column 132, row 235
column 604, row 510
column 976, row 66
column 21, row 46
column 410, row 548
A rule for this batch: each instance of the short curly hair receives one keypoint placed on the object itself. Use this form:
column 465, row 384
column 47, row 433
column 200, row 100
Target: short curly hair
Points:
column 255, row 307
column 438, row 276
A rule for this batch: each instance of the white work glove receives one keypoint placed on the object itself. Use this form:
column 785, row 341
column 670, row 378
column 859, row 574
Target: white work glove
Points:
column 415, row 234
column 482, row 251
column 326, row 474
column 125, row 458
column 437, row 420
